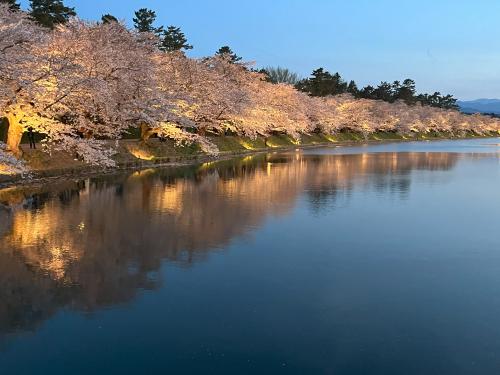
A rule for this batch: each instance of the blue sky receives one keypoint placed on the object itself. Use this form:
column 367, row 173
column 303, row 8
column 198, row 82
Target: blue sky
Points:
column 450, row 46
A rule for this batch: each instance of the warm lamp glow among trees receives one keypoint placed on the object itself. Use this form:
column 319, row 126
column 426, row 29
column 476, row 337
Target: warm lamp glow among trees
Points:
column 82, row 84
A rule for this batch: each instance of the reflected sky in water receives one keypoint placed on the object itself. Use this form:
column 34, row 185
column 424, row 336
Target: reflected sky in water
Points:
column 381, row 259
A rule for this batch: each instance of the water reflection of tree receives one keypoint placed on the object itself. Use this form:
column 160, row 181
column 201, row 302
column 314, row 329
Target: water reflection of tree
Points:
column 88, row 244
column 383, row 173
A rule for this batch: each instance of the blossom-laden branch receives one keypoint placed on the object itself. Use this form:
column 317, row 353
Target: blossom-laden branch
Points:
column 10, row 164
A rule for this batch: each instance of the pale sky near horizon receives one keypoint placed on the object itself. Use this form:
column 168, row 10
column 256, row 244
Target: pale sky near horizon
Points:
column 449, row 46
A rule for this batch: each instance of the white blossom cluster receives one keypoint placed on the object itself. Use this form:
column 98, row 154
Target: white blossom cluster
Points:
column 10, row 164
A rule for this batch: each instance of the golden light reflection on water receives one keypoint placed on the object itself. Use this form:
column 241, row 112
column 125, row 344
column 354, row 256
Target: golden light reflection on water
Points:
column 93, row 233
column 246, row 145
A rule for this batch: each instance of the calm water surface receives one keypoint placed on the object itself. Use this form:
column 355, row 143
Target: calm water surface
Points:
column 380, row 259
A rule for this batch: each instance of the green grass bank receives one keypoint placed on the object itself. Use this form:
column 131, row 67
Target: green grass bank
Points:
column 133, row 153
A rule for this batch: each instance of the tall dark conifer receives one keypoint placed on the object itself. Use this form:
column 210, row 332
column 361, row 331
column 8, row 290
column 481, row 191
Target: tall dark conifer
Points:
column 352, row 88
column 173, row 39
column 144, row 20
column 13, row 4
column 322, row 83
column 227, row 52
column 49, row 13
column 107, row 18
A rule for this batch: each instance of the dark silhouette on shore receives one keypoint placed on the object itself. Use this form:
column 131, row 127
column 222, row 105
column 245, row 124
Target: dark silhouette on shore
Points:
column 31, row 137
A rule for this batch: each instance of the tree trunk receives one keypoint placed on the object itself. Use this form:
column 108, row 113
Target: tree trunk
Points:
column 14, row 134
column 146, row 132
column 202, row 131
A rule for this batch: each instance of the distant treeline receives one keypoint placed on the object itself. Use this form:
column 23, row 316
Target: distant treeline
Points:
column 323, row 83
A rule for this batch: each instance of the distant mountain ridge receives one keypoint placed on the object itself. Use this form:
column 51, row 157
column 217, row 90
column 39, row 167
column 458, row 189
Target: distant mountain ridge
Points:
column 480, row 106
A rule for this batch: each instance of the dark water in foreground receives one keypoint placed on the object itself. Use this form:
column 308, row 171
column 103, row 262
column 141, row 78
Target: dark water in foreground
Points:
column 366, row 260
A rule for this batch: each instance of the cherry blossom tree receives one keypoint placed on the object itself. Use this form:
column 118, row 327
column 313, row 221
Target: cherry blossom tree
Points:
column 215, row 89
column 18, row 34
column 275, row 108
column 9, row 164
column 200, row 94
column 82, row 82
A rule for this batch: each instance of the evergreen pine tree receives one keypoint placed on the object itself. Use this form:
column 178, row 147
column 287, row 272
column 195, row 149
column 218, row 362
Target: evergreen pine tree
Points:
column 226, row 51
column 144, row 19
column 173, row 39
column 352, row 88
column 107, row 18
column 13, row 5
column 50, row 12
column 322, row 83
column 407, row 91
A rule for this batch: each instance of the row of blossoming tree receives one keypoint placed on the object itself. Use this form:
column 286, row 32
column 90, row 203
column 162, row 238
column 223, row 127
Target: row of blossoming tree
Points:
column 82, row 84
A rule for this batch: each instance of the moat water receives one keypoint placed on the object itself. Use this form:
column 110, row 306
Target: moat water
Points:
column 376, row 259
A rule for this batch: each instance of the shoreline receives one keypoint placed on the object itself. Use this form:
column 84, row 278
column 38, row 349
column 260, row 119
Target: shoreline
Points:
column 177, row 160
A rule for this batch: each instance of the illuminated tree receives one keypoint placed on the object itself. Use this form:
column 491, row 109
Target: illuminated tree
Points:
column 9, row 164
column 18, row 35
column 207, row 91
column 275, row 108
column 79, row 83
